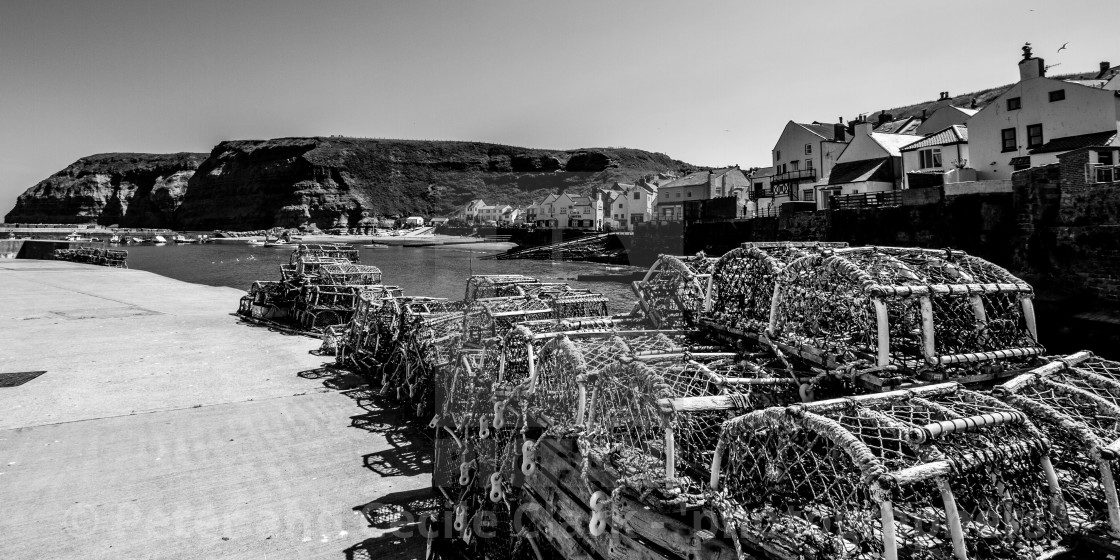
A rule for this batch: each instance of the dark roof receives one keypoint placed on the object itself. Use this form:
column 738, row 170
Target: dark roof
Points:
column 1067, row 143
column 863, row 170
column 956, row 134
column 900, row 126
column 826, row 131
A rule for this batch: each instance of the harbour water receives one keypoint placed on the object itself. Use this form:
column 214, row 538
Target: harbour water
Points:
column 427, row 271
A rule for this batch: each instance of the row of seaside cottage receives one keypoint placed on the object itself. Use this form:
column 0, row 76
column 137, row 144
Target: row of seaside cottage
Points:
column 943, row 145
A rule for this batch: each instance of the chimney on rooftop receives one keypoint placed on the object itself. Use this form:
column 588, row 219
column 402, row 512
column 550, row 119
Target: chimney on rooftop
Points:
column 884, row 117
column 838, row 132
column 1031, row 67
column 974, row 104
column 923, row 114
column 1105, row 65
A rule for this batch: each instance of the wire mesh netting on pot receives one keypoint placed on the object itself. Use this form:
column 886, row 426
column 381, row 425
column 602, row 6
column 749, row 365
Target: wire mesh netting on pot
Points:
column 674, row 291
column 910, row 309
column 1075, row 401
column 934, row 472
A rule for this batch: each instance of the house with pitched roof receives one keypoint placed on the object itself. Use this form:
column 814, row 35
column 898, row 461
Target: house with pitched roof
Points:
column 926, row 161
column 871, row 162
column 630, row 204
column 1037, row 119
column 803, row 158
column 701, row 185
column 944, row 117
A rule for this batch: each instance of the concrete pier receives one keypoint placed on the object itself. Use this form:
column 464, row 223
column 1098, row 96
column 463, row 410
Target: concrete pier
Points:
column 165, row 428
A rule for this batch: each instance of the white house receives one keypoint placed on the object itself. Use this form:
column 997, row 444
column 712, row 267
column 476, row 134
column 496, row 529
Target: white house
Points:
column 925, row 162
column 1037, row 119
column 803, row 158
column 469, row 211
column 414, row 221
column 630, row 204
column 870, row 163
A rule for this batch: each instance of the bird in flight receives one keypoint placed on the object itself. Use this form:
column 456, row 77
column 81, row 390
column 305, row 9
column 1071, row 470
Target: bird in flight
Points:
column 1062, row 47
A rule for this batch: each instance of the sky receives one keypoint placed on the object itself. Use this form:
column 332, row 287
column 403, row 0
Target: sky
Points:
column 707, row 82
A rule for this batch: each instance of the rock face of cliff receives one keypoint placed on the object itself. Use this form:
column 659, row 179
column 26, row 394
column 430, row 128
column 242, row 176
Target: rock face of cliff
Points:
column 132, row 190
column 332, row 182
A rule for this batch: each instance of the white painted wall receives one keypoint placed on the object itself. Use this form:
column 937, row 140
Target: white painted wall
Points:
column 1085, row 110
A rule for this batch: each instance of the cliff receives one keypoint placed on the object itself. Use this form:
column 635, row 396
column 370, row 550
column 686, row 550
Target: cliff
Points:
column 250, row 184
column 331, row 182
column 132, row 190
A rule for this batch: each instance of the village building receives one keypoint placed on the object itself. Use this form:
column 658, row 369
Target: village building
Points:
column 701, row 185
column 1037, row 119
column 871, row 163
column 802, row 158
column 630, row 204
column 926, row 162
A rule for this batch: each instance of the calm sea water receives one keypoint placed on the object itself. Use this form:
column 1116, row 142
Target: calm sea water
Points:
column 426, row 271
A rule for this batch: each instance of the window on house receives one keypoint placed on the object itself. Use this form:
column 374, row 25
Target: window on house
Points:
column 1104, row 158
column 1057, row 95
column 689, row 194
column 758, row 186
column 808, row 149
column 1034, row 135
column 809, row 163
column 1014, row 103
column 563, row 210
column 1007, row 137
column 929, row 158
column 807, row 194
column 678, row 194
column 796, row 164
column 620, row 205
column 777, row 155
column 637, row 196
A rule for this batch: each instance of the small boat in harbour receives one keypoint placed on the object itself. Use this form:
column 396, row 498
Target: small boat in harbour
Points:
column 160, row 240
column 255, row 243
column 180, row 239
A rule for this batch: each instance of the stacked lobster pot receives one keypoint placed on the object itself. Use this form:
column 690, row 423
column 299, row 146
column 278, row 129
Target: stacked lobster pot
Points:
column 483, row 286
column 881, row 317
column 482, row 427
column 1075, row 402
column 370, row 338
column 429, row 338
column 319, row 288
column 674, row 291
column 932, row 472
column 115, row 258
column 743, row 281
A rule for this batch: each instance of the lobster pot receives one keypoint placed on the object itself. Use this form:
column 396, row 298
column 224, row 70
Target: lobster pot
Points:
column 487, row 318
column 265, row 300
column 933, row 472
column 306, row 266
column 743, row 283
column 540, row 289
column 553, row 396
column 339, row 251
column 575, row 304
column 1078, row 409
column 358, row 341
column 483, row 286
column 349, row 274
column 653, row 424
column 427, row 341
column 115, row 258
column 674, row 291
column 903, row 308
